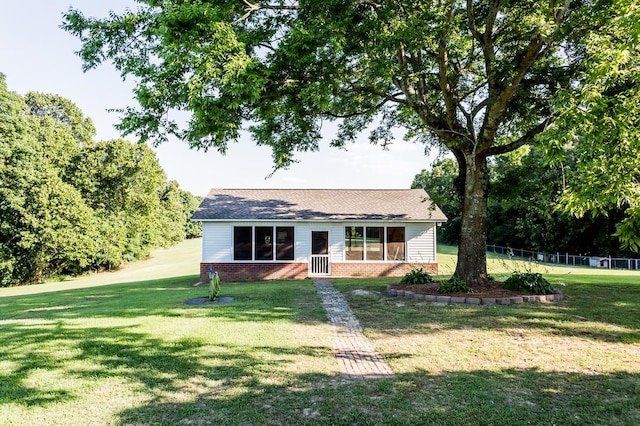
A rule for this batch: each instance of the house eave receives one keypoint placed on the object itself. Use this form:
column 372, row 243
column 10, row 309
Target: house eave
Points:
column 325, row 220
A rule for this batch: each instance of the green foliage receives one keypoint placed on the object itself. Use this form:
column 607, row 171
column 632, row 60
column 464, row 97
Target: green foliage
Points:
column 190, row 203
column 454, row 285
column 417, row 276
column 477, row 79
column 603, row 115
column 439, row 183
column 532, row 282
column 69, row 204
column 524, row 209
column 54, row 110
column 628, row 229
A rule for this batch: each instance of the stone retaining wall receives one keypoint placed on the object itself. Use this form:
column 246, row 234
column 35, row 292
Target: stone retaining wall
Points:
column 514, row 300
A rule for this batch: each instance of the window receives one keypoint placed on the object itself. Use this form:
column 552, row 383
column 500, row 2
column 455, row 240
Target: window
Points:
column 395, row 243
column 261, row 242
column 242, row 242
column 319, row 242
column 354, row 243
column 370, row 244
column 284, row 243
column 264, row 243
column 375, row 243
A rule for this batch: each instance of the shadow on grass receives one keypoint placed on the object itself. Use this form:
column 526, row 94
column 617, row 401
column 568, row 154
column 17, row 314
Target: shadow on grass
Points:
column 598, row 312
column 14, row 387
column 56, row 332
column 106, row 352
column 455, row 398
column 193, row 380
column 165, row 297
column 189, row 381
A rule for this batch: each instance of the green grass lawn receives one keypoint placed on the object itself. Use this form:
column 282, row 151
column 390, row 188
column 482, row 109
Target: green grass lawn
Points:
column 132, row 352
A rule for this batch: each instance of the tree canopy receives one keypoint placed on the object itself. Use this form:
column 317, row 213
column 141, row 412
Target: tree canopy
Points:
column 524, row 209
column 69, row 204
column 477, row 78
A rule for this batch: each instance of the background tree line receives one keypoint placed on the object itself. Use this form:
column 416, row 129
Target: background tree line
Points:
column 69, row 204
column 523, row 206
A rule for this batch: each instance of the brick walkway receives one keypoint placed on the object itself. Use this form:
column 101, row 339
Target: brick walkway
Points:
column 356, row 355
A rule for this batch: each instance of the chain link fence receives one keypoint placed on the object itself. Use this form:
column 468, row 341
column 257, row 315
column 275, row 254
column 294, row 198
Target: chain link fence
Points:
column 566, row 258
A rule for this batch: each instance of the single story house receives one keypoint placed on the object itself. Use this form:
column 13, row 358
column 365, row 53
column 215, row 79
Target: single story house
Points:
column 258, row 234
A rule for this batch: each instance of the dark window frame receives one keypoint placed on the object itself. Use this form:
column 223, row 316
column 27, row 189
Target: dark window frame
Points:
column 285, row 249
column 354, row 243
column 263, row 247
column 262, row 244
column 241, row 247
column 364, row 254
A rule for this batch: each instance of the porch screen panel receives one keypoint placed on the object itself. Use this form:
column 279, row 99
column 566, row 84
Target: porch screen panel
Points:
column 354, row 243
column 319, row 242
column 284, row 243
column 264, row 243
column 375, row 243
column 395, row 243
column 242, row 242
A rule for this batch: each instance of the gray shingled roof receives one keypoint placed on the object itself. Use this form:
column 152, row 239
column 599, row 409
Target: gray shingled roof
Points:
column 318, row 204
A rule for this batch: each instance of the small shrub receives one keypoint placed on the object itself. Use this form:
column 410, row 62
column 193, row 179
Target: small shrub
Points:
column 416, row 276
column 454, row 286
column 528, row 281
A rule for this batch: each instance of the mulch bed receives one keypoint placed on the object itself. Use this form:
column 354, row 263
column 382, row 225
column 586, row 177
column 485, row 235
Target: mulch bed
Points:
column 488, row 289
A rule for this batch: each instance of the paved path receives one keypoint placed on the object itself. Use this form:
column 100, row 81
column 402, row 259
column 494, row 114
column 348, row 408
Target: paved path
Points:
column 355, row 353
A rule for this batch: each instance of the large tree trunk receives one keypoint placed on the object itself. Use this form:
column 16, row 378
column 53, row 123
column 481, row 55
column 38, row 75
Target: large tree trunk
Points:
column 473, row 189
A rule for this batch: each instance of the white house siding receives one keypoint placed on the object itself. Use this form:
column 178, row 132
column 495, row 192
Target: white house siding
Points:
column 421, row 242
column 420, row 239
column 336, row 242
column 217, row 244
column 217, row 239
column 302, row 235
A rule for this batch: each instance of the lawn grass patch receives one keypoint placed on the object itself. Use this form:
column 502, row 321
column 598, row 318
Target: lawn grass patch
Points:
column 135, row 353
column 570, row 362
column 120, row 353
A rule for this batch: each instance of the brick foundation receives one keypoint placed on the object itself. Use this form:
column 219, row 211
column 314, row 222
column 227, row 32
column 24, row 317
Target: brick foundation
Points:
column 378, row 269
column 235, row 271
column 230, row 272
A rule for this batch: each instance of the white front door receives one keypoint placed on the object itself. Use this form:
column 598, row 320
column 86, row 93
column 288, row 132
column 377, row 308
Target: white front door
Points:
column 319, row 264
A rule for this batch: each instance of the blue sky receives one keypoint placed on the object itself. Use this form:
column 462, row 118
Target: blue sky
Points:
column 36, row 55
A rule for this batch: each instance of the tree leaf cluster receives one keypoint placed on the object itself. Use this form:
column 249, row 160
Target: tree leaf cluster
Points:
column 477, row 78
column 470, row 76
column 525, row 206
column 69, row 204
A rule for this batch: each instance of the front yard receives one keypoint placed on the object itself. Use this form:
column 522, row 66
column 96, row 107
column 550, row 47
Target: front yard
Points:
column 135, row 353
